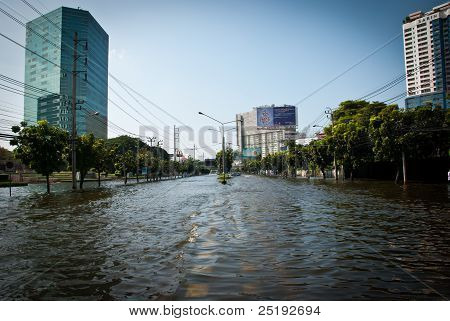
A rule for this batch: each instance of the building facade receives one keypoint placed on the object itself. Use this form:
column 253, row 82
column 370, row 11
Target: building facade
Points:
column 427, row 57
column 259, row 141
column 48, row 79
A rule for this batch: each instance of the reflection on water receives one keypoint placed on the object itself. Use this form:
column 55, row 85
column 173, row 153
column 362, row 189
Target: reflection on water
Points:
column 257, row 238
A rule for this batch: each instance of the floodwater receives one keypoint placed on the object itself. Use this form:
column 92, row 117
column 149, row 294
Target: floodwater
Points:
column 256, row 238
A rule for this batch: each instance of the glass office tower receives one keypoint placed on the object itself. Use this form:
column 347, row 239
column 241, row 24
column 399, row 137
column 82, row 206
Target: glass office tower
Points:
column 48, row 79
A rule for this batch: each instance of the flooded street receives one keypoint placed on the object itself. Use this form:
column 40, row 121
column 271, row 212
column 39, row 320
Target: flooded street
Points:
column 256, row 238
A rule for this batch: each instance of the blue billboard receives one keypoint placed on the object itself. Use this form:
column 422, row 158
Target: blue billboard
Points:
column 276, row 117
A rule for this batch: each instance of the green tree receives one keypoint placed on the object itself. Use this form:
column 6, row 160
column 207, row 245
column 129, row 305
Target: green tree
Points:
column 252, row 166
column 350, row 135
column 319, row 155
column 126, row 163
column 419, row 133
column 41, row 147
column 228, row 160
column 103, row 156
column 6, row 154
column 145, row 160
column 85, row 155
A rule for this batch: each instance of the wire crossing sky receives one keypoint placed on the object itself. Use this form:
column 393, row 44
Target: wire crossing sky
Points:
column 224, row 58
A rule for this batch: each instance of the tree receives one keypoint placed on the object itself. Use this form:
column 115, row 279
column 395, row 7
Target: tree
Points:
column 385, row 130
column 103, row 156
column 188, row 166
column 126, row 162
column 293, row 157
column 42, row 147
column 145, row 160
column 6, row 154
column 349, row 135
column 85, row 155
column 319, row 154
column 419, row 133
column 252, row 166
column 228, row 160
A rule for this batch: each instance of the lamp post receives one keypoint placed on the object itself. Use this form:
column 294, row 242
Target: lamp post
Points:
column 223, row 140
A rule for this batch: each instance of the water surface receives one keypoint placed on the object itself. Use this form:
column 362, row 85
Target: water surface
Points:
column 256, row 238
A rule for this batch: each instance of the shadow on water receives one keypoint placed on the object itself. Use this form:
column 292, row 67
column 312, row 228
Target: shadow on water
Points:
column 254, row 238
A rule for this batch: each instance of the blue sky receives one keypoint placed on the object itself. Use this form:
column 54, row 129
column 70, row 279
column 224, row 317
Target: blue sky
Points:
column 225, row 57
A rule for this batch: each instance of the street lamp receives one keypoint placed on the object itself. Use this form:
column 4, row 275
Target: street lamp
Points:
column 223, row 140
column 219, row 130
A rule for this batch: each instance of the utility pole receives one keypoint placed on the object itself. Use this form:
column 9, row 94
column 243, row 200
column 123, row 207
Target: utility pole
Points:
column 223, row 151
column 137, row 160
column 193, row 150
column 330, row 112
column 74, row 112
column 176, row 137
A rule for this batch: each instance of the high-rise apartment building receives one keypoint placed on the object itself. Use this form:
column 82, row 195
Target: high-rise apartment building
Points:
column 427, row 57
column 52, row 37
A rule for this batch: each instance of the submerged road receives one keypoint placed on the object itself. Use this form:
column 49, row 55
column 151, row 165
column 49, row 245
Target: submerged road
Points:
column 256, row 238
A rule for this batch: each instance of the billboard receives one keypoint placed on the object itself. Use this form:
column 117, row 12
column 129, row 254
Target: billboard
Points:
column 276, row 117
column 251, row 152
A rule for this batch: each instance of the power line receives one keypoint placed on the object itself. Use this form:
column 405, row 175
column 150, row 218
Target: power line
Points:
column 348, row 69
column 25, row 86
column 28, row 49
column 393, row 83
column 12, row 9
column 147, row 100
column 33, row 52
column 40, row 13
column 18, row 83
column 27, row 28
column 117, row 80
column 399, row 79
column 122, row 84
column 15, row 91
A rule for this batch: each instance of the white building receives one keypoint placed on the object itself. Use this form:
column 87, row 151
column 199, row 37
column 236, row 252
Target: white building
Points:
column 249, row 136
column 426, row 39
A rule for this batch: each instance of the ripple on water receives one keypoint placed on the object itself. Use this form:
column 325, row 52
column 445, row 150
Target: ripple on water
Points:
column 256, row 238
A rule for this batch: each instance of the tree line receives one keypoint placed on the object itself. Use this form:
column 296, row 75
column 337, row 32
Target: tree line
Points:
column 363, row 133
column 46, row 149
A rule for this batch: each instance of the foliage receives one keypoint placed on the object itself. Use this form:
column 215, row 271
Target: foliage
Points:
column 42, row 147
column 228, row 160
column 362, row 133
column 319, row 155
column 126, row 163
column 252, row 166
column 126, row 143
column 103, row 156
column 85, row 158
column 6, row 154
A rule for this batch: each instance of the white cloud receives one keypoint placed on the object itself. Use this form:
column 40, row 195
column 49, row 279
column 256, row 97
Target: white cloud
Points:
column 117, row 54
